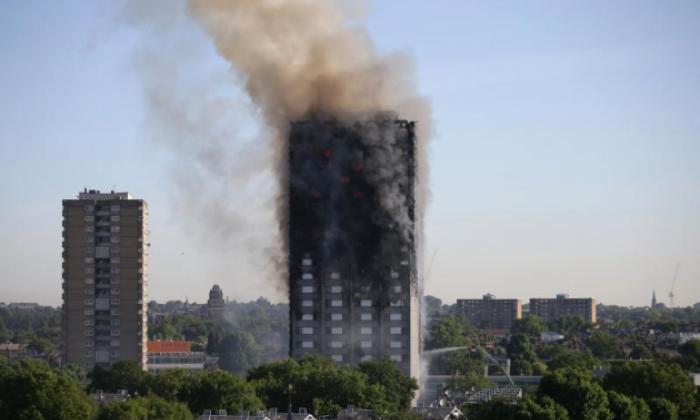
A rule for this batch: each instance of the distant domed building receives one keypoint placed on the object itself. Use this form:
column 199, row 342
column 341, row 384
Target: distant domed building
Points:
column 216, row 303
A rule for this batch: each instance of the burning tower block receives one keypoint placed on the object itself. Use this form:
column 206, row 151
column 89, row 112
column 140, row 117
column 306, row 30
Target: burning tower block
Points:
column 353, row 284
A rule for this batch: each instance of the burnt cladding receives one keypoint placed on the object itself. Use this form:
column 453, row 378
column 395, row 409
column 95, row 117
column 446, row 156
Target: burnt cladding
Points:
column 351, row 222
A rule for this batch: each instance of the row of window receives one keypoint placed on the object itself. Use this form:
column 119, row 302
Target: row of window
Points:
column 367, row 357
column 343, row 344
column 112, row 311
column 340, row 330
column 363, row 317
column 339, row 289
column 338, row 303
column 114, row 208
column 89, row 332
column 113, row 218
column 115, row 342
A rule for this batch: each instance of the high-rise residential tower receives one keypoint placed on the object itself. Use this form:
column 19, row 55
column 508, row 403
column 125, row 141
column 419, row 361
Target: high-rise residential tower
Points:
column 353, row 284
column 105, row 257
column 489, row 312
column 553, row 309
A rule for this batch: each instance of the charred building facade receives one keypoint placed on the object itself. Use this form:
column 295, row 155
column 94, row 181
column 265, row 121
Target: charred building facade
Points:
column 353, row 284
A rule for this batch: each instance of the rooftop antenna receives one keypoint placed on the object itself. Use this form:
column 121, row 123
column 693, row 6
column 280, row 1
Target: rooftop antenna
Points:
column 673, row 285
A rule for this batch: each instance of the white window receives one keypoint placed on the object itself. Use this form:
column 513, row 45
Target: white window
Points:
column 89, row 209
column 88, row 260
column 307, row 276
column 115, row 322
column 365, row 317
column 115, row 229
column 336, row 317
column 337, row 357
column 115, row 342
column 366, row 303
column 336, row 330
column 89, row 344
column 89, row 280
column 307, row 289
column 89, row 228
column 115, row 270
column 306, row 261
column 335, row 276
column 89, row 322
column 114, row 354
column 397, row 289
column 89, row 270
column 337, row 344
column 395, row 357
column 115, row 218
column 89, row 332
column 115, row 302
column 115, row 311
column 336, row 289
column 114, row 291
column 115, row 208
column 102, row 304
column 89, row 291
column 89, row 239
column 102, row 356
column 101, row 252
column 115, row 249
column 395, row 317
column 396, row 303
column 307, row 303
column 366, row 344
column 88, row 311
column 115, row 260
column 395, row 345
column 88, row 302
column 366, row 358
column 115, row 280
column 114, row 239
column 115, row 332
column 394, row 275
column 307, row 330
column 365, row 330
column 395, row 330
column 307, row 317
column 404, row 262
column 307, row 344
column 336, row 303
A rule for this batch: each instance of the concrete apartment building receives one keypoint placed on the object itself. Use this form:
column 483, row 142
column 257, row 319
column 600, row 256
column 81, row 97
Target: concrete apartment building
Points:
column 489, row 312
column 553, row 309
column 354, row 293
column 105, row 259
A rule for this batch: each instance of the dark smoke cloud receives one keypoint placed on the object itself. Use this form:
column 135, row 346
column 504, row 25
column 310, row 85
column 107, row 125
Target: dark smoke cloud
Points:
column 294, row 59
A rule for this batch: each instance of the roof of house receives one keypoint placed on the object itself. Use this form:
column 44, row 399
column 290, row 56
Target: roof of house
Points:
column 175, row 346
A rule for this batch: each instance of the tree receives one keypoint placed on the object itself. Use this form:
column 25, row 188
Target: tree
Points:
column 690, row 354
column 31, row 390
column 545, row 409
column 126, row 375
column 663, row 409
column 219, row 390
column 450, row 331
column 150, row 407
column 605, row 345
column 169, row 384
column 654, row 380
column 627, row 408
column 522, row 354
column 561, row 357
column 395, row 385
column 570, row 325
column 238, row 352
column 529, row 325
column 575, row 390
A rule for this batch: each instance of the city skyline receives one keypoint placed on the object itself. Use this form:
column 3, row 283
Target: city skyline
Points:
column 564, row 160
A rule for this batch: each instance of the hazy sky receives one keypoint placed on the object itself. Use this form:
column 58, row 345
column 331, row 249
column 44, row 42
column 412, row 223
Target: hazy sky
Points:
column 566, row 153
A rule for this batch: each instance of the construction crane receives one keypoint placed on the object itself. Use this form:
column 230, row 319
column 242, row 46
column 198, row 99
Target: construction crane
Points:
column 673, row 285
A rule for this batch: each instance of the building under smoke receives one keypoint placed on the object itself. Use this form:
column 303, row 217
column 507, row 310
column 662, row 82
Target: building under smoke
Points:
column 353, row 283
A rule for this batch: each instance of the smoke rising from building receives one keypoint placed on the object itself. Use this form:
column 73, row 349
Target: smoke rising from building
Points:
column 302, row 60
column 293, row 60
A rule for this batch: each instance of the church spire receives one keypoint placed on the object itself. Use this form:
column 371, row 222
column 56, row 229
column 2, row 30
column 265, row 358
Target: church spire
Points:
column 653, row 299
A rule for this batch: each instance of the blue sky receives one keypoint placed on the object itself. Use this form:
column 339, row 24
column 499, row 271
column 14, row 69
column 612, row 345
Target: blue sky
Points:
column 565, row 158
